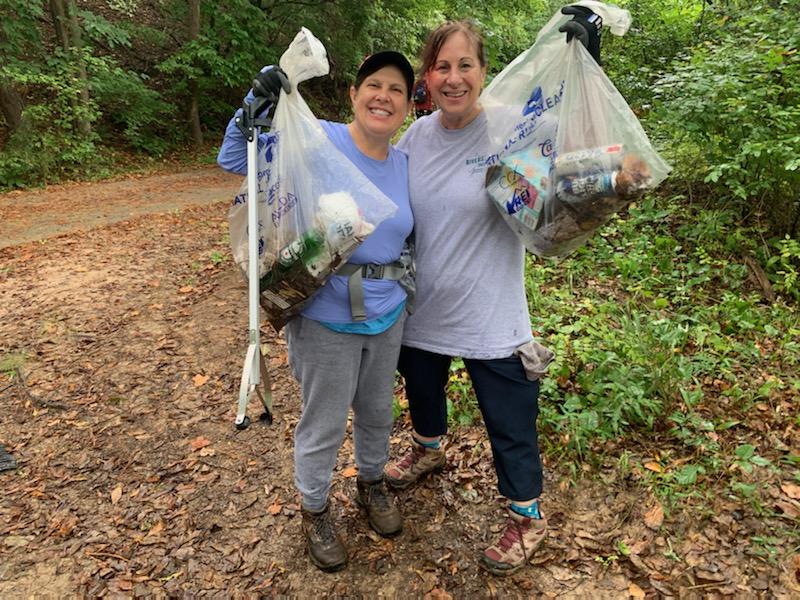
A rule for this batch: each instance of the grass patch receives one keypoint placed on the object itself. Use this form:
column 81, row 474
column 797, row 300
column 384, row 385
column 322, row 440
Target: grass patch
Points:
column 10, row 362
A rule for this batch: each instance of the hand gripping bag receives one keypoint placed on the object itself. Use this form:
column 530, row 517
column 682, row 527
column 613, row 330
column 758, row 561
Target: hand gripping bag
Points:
column 314, row 206
column 569, row 152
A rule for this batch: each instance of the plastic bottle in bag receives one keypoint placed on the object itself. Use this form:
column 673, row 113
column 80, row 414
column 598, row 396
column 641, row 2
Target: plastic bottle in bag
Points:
column 606, row 158
column 305, row 248
column 301, row 254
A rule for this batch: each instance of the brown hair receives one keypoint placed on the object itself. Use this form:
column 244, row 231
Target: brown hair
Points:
column 441, row 34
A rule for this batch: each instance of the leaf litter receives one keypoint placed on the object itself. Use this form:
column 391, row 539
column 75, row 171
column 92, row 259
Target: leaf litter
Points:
column 133, row 480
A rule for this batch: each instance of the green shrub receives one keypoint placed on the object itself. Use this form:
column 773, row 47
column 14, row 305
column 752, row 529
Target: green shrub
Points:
column 731, row 108
column 641, row 317
column 783, row 267
column 130, row 107
column 47, row 146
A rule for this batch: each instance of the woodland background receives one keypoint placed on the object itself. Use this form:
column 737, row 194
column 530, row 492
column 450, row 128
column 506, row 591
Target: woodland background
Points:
column 672, row 407
column 86, row 86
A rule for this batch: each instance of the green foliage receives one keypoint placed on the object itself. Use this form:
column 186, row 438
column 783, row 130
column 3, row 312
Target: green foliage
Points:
column 641, row 317
column 783, row 267
column 19, row 35
column 657, row 35
column 462, row 406
column 129, row 106
column 98, row 29
column 228, row 52
column 10, row 362
column 731, row 108
column 47, row 146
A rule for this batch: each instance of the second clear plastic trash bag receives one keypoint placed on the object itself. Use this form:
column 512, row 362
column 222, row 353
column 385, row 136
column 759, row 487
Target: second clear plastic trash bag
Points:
column 569, row 152
column 314, row 206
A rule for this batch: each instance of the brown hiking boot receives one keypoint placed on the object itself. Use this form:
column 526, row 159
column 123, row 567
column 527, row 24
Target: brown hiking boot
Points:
column 382, row 513
column 520, row 538
column 324, row 545
column 417, row 462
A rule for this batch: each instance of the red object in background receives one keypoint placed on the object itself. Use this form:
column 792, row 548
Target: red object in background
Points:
column 423, row 105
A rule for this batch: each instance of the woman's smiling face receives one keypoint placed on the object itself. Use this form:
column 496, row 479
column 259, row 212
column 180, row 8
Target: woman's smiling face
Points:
column 380, row 103
column 455, row 80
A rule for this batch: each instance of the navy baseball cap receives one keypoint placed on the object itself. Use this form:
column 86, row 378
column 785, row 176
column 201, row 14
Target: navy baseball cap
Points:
column 386, row 58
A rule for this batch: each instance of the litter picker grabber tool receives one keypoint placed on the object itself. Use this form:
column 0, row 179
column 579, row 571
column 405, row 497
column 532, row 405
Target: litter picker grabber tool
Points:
column 255, row 377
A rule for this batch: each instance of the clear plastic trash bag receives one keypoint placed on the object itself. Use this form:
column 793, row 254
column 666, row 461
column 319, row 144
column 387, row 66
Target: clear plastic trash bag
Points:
column 569, row 152
column 314, row 205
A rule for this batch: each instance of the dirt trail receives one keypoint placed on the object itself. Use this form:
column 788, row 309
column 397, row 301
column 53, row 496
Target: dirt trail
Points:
column 121, row 345
column 61, row 209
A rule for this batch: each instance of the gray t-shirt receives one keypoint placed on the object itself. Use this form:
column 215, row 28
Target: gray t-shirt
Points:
column 470, row 299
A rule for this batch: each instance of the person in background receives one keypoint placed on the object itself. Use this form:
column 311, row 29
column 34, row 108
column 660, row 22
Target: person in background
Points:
column 423, row 105
column 470, row 292
column 342, row 361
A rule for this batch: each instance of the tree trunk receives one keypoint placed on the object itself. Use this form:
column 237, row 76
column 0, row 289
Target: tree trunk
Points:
column 76, row 43
column 68, row 34
column 60, row 23
column 11, row 106
column 194, row 108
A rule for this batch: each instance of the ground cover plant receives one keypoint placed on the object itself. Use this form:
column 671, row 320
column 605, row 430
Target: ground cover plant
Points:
column 671, row 366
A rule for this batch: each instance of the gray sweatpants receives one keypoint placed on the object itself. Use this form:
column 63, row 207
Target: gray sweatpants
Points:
column 337, row 371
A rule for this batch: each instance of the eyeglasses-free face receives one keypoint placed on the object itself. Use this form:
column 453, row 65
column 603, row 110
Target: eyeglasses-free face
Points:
column 380, row 104
column 455, row 81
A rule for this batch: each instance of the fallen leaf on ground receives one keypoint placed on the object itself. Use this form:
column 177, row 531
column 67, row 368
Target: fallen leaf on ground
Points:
column 116, row 494
column 654, row 517
column 789, row 509
column 156, row 529
column 200, row 442
column 199, row 379
column 653, row 466
column 350, row 472
column 438, row 594
column 709, row 575
column 635, row 591
column 791, row 490
column 274, row 509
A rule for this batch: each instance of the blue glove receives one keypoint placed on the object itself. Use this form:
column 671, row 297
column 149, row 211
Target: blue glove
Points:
column 269, row 82
column 585, row 25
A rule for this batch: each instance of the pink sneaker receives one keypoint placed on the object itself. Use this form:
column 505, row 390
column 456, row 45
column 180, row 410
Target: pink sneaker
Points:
column 417, row 462
column 519, row 540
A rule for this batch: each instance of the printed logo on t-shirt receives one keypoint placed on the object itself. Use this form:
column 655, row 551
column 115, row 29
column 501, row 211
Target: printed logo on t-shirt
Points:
column 481, row 162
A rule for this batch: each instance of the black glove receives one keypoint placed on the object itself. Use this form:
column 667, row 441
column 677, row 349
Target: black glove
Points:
column 585, row 25
column 268, row 83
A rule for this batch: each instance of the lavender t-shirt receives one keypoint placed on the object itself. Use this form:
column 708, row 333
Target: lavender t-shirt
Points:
column 470, row 299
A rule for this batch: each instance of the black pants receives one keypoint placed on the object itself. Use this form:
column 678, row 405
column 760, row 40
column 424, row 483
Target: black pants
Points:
column 508, row 401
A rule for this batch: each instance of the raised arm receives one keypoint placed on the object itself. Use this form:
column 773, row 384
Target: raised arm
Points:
column 232, row 154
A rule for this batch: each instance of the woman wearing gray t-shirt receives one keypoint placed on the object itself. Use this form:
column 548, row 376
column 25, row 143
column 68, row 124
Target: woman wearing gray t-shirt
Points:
column 470, row 299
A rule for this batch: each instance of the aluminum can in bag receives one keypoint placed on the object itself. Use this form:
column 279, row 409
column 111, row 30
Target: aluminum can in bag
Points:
column 575, row 188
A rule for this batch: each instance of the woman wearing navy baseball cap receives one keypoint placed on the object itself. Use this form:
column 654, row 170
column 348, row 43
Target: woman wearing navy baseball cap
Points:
column 343, row 348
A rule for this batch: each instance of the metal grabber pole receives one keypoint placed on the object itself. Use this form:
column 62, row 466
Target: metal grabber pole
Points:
column 255, row 377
